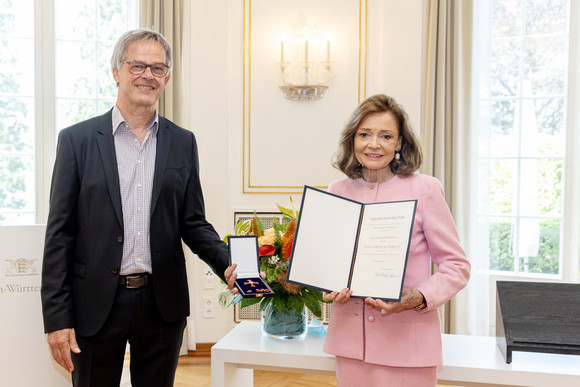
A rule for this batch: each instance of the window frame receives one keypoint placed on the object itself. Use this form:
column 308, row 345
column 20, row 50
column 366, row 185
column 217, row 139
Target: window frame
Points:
column 45, row 100
column 569, row 262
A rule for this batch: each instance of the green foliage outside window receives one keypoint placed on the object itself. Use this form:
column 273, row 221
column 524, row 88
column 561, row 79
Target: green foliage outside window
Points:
column 501, row 248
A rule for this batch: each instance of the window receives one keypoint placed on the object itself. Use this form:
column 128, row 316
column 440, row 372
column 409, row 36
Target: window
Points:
column 50, row 78
column 85, row 33
column 525, row 91
column 17, row 135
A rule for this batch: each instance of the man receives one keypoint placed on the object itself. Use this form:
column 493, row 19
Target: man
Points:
column 125, row 193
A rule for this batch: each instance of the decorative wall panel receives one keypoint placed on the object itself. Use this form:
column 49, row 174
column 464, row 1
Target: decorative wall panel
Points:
column 287, row 143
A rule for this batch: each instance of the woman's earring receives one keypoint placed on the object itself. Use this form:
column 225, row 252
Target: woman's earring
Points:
column 397, row 156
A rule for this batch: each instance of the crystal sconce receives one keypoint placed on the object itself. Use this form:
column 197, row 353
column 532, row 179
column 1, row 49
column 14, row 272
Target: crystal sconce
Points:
column 304, row 68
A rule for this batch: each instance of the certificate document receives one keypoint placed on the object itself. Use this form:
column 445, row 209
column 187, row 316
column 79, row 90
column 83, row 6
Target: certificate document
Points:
column 342, row 243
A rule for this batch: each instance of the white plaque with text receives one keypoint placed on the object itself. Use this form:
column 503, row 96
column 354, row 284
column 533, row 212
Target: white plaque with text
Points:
column 25, row 355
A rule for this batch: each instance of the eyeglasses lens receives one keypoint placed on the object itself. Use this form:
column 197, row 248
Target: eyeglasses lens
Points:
column 139, row 68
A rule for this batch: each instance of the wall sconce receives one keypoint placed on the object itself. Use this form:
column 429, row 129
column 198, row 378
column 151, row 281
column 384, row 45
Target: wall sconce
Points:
column 304, row 68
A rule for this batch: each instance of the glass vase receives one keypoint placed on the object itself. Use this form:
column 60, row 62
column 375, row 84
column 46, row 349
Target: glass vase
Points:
column 285, row 324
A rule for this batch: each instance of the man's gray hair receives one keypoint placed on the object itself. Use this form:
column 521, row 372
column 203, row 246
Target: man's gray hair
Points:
column 130, row 37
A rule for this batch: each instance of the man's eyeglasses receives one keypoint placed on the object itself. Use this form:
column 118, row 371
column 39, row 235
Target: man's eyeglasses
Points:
column 138, row 68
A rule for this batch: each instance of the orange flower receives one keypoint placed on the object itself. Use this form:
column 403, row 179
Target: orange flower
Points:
column 289, row 231
column 287, row 243
column 254, row 229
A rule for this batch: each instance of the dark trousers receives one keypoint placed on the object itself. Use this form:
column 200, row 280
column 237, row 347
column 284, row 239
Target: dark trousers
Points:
column 154, row 344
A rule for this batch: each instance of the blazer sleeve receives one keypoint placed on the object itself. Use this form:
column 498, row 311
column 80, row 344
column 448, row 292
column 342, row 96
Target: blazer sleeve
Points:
column 199, row 235
column 453, row 268
column 60, row 239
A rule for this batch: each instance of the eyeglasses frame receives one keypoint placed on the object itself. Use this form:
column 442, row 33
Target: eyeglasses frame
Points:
column 167, row 68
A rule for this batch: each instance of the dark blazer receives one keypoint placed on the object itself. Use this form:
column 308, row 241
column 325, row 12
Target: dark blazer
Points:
column 84, row 234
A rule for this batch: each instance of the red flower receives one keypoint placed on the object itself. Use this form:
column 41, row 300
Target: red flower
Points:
column 266, row 250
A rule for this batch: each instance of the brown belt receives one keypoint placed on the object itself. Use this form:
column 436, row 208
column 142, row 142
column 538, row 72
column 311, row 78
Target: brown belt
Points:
column 135, row 281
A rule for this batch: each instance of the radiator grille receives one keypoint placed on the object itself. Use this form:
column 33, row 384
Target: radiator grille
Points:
column 252, row 313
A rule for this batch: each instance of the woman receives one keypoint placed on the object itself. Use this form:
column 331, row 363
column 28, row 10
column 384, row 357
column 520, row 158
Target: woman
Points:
column 378, row 343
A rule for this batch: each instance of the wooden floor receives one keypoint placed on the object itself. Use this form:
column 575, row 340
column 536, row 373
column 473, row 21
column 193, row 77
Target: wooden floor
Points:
column 195, row 371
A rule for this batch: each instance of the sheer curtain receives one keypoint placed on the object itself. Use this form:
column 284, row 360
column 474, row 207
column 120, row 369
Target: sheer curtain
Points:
column 446, row 125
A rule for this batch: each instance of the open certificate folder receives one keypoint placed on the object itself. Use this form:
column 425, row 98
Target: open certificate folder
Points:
column 342, row 243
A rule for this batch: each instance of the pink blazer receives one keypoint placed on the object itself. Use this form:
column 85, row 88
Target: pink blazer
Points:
column 409, row 338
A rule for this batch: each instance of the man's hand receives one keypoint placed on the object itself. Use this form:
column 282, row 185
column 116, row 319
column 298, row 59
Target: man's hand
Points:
column 231, row 276
column 61, row 343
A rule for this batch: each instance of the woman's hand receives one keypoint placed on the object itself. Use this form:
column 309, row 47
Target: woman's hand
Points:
column 341, row 298
column 410, row 298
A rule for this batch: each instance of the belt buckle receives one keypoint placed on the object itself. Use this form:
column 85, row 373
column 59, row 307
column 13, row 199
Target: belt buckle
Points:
column 134, row 282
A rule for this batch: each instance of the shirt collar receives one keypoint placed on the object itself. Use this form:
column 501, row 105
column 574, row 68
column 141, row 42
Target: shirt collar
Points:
column 118, row 120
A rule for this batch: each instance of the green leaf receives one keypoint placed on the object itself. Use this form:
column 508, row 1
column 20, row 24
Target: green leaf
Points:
column 243, row 227
column 225, row 298
column 314, row 307
column 289, row 212
column 250, row 301
column 259, row 222
column 266, row 301
column 278, row 303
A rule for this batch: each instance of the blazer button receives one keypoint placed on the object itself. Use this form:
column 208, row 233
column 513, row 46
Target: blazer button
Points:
column 120, row 239
column 371, row 318
column 115, row 270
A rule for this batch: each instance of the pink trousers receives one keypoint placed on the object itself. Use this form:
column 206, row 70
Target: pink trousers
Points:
column 357, row 373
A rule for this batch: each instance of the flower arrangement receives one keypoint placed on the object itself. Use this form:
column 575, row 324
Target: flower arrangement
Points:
column 275, row 249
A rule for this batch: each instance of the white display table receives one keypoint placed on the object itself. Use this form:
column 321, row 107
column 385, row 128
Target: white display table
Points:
column 245, row 349
column 468, row 361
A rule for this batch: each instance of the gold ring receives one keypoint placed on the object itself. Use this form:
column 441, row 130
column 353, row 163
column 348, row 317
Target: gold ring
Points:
column 383, row 312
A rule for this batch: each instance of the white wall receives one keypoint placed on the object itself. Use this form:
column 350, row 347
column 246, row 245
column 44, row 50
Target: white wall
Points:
column 218, row 110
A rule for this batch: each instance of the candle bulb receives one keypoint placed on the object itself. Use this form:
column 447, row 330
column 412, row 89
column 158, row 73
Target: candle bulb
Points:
column 306, row 52
column 328, row 51
column 282, row 52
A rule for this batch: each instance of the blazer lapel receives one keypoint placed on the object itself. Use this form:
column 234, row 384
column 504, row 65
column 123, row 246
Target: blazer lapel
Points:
column 163, row 143
column 107, row 149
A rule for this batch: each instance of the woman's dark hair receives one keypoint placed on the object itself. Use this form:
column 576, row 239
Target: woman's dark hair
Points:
column 411, row 153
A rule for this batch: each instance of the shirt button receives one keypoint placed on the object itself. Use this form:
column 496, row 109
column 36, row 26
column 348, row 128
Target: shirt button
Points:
column 371, row 318
column 138, row 161
column 139, row 185
column 139, row 209
column 138, row 233
column 139, row 259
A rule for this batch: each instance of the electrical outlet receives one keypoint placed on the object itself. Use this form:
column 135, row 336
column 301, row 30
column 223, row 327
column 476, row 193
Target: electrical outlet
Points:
column 208, row 306
column 208, row 278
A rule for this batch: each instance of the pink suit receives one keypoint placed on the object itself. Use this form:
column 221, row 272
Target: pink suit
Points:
column 409, row 338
